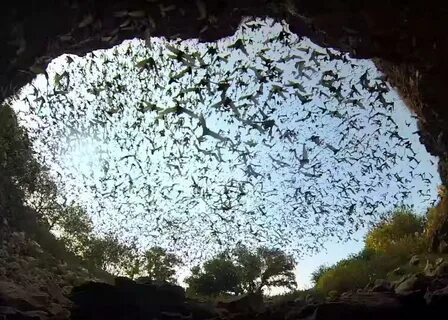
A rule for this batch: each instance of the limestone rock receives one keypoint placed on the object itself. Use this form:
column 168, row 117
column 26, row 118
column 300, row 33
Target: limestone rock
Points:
column 437, row 298
column 371, row 305
column 439, row 261
column 412, row 287
column 202, row 311
column 429, row 269
column 415, row 261
column 14, row 314
column 398, row 271
column 243, row 304
column 13, row 295
column 381, row 285
column 441, row 270
column 443, row 247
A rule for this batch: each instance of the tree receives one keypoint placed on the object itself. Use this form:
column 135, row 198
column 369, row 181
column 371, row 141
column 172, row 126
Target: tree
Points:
column 16, row 155
column 219, row 275
column 317, row 274
column 243, row 271
column 265, row 268
column 106, row 253
column 44, row 201
column 75, row 227
column 160, row 265
column 403, row 224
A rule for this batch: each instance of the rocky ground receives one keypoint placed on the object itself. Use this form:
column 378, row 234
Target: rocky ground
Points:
column 33, row 284
column 416, row 296
column 36, row 286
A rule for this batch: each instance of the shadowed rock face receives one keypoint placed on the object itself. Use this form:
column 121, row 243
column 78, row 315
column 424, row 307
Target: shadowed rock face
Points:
column 408, row 39
column 417, row 296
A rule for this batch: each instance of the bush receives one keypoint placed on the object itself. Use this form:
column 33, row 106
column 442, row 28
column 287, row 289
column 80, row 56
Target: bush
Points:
column 318, row 273
column 346, row 275
column 16, row 156
column 401, row 224
column 388, row 245
column 437, row 222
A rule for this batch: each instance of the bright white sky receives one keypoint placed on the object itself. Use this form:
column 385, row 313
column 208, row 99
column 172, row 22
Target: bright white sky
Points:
column 150, row 178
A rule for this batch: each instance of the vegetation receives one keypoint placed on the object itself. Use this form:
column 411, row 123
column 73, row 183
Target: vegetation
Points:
column 437, row 222
column 403, row 226
column 160, row 265
column 28, row 199
column 388, row 245
column 243, row 271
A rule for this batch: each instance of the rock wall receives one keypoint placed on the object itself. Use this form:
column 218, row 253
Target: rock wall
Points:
column 415, row 296
column 33, row 283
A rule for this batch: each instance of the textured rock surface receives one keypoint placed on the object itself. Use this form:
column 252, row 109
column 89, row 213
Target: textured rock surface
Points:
column 33, row 284
column 408, row 40
column 130, row 300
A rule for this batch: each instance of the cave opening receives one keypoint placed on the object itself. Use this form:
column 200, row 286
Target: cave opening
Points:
column 261, row 139
column 242, row 168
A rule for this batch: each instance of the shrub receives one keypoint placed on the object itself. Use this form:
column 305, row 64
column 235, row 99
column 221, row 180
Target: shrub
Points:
column 318, row 273
column 346, row 275
column 388, row 245
column 401, row 224
column 437, row 222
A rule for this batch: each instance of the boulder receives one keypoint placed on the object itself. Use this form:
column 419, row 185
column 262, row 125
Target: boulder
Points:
column 202, row 311
column 443, row 247
column 332, row 295
column 128, row 300
column 301, row 313
column 247, row 303
column 15, row 296
column 411, row 284
column 381, row 285
column 10, row 313
column 439, row 261
column 398, row 272
column 56, row 294
column 429, row 269
column 415, row 261
column 361, row 306
column 441, row 270
column 437, row 298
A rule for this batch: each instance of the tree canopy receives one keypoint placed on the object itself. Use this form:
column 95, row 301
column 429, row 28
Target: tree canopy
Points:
column 160, row 265
column 402, row 224
column 242, row 271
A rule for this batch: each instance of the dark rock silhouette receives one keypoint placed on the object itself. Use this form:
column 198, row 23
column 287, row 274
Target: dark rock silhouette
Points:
column 128, row 300
column 413, row 297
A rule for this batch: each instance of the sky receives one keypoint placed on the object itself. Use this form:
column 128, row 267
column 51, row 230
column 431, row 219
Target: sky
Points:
column 261, row 138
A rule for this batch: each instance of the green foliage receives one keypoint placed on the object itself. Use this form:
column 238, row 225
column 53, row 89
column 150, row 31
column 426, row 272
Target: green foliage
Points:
column 219, row 275
column 242, row 270
column 318, row 273
column 277, row 269
column 344, row 276
column 160, row 265
column 388, row 245
column 76, row 228
column 402, row 223
column 16, row 156
column 106, row 253
column 24, row 182
column 437, row 222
